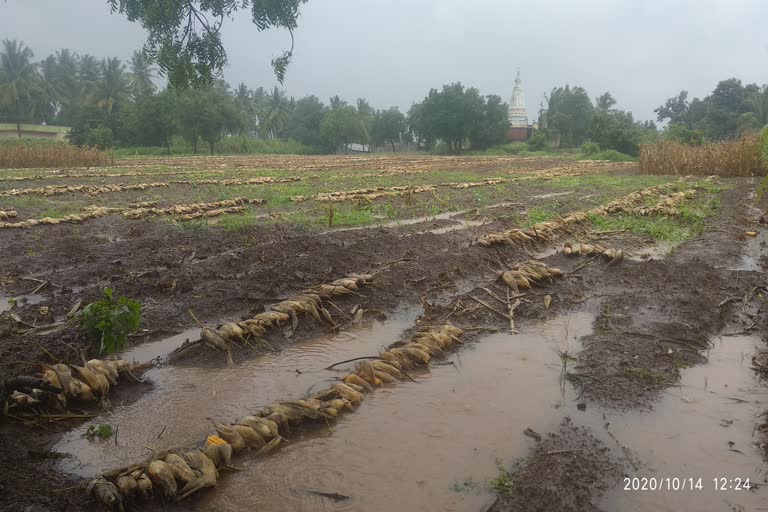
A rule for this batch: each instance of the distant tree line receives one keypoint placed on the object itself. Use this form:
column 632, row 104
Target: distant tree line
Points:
column 108, row 104
column 729, row 111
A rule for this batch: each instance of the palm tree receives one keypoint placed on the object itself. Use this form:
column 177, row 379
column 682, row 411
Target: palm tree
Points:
column 274, row 115
column 113, row 86
column 18, row 78
column 142, row 74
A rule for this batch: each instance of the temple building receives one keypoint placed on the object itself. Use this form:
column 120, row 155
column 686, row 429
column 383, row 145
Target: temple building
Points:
column 519, row 129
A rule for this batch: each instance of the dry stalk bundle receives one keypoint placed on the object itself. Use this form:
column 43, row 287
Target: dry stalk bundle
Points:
column 283, row 314
column 188, row 210
column 91, row 212
column 5, row 215
column 522, row 275
column 612, row 255
column 172, row 475
column 92, row 190
column 60, row 384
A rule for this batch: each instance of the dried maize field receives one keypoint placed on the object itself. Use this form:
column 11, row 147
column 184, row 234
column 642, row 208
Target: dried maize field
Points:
column 327, row 333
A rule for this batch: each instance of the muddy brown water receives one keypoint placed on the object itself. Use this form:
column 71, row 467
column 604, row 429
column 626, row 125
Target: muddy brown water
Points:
column 689, row 435
column 435, row 442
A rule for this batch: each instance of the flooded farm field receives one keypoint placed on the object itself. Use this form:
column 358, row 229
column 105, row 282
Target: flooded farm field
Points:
column 453, row 334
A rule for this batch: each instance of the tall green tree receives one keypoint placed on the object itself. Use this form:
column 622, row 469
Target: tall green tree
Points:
column 184, row 37
column 273, row 117
column 19, row 80
column 451, row 114
column 304, row 121
column 142, row 75
column 151, row 121
column 605, row 102
column 208, row 114
column 340, row 126
column 570, row 114
column 388, row 126
column 491, row 128
column 113, row 86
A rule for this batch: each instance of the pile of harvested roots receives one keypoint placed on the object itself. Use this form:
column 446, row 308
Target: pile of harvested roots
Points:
column 60, row 384
column 668, row 205
column 283, row 314
column 7, row 214
column 612, row 255
column 92, row 190
column 172, row 475
column 549, row 230
column 185, row 210
column 522, row 275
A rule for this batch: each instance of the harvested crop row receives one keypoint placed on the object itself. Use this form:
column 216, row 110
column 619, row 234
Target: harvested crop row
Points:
column 235, row 181
column 549, row 230
column 91, row 212
column 367, row 194
column 472, row 184
column 7, row 214
column 57, row 386
column 92, row 190
column 283, row 314
column 188, row 209
column 177, row 474
column 185, row 212
column 669, row 205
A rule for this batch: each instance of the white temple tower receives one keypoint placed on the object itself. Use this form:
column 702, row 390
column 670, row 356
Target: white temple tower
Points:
column 517, row 114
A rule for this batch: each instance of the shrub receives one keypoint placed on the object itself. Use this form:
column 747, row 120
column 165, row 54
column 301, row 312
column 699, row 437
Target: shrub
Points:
column 538, row 142
column 740, row 157
column 590, row 148
column 612, row 155
column 110, row 320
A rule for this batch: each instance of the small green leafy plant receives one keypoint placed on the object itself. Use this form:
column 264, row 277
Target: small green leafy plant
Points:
column 503, row 484
column 110, row 320
column 102, row 431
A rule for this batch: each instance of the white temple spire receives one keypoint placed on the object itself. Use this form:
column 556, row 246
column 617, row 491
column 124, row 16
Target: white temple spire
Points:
column 517, row 115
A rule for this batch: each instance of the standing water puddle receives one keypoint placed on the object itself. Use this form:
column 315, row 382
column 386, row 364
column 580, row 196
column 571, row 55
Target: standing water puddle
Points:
column 688, row 435
column 433, row 443
column 430, row 445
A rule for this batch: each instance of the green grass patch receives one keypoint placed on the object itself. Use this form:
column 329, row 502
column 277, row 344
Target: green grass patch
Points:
column 689, row 224
column 541, row 214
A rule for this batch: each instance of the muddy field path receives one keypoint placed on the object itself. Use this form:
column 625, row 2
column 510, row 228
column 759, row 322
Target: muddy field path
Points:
column 627, row 332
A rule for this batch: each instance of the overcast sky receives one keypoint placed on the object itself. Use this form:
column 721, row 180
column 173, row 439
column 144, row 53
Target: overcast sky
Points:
column 393, row 51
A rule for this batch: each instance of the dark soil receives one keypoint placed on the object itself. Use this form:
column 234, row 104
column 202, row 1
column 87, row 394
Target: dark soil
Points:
column 565, row 472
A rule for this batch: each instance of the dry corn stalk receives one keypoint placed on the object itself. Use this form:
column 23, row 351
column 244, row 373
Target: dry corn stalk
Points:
column 177, row 474
column 612, row 255
column 60, row 384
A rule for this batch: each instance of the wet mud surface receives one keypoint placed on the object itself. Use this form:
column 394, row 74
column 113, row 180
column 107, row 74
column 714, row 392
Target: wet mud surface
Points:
column 657, row 340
